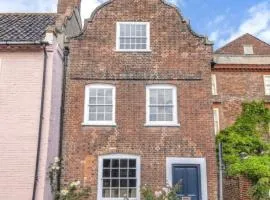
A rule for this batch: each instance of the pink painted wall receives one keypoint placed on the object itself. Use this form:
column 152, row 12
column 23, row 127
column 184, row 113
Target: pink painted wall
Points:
column 20, row 97
column 20, row 93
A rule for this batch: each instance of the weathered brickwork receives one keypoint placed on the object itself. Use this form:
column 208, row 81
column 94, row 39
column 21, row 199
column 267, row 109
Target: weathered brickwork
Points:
column 177, row 57
column 237, row 83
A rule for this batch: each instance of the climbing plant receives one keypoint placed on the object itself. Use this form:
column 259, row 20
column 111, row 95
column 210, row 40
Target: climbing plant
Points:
column 246, row 148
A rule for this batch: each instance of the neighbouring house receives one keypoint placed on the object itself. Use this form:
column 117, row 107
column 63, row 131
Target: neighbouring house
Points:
column 240, row 72
column 31, row 74
column 138, row 103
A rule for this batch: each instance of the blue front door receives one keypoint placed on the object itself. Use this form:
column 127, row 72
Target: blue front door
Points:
column 187, row 179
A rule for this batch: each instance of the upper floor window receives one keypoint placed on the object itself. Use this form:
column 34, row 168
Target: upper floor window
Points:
column 248, row 50
column 119, row 177
column 216, row 120
column 267, row 84
column 161, row 105
column 133, row 36
column 214, row 84
column 99, row 108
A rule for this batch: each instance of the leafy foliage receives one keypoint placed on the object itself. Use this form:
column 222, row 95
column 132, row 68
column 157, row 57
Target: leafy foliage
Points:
column 246, row 148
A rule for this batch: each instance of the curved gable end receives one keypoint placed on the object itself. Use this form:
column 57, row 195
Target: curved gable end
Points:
column 153, row 5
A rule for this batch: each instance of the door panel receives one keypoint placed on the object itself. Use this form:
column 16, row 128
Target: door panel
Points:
column 188, row 177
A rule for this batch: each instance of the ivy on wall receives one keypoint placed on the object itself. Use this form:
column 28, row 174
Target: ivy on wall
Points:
column 246, row 148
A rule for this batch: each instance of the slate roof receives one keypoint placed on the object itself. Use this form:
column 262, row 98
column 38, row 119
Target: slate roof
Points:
column 21, row 27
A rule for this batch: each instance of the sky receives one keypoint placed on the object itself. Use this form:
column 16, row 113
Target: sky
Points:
column 220, row 20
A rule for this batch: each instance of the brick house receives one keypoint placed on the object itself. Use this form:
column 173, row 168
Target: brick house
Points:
column 31, row 74
column 138, row 106
column 241, row 72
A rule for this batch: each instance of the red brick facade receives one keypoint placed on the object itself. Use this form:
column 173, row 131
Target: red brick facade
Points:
column 177, row 57
column 237, row 81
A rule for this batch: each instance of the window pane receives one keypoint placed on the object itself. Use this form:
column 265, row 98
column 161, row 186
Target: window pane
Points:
column 123, row 163
column 115, row 173
column 115, row 192
column 115, row 182
column 108, row 116
column 106, row 162
column 153, row 110
column 106, row 193
column 153, row 96
column 153, row 117
column 100, row 92
column 168, row 110
column 108, row 92
column 123, row 193
column 115, row 163
column 123, row 183
column 106, row 183
column 168, row 117
column 161, row 99
column 92, row 117
column 100, row 109
column 123, row 172
column 132, row 193
column 132, row 163
column 106, row 172
column 132, row 183
column 100, row 100
column 100, row 116
column 132, row 173
column 108, row 100
column 93, row 100
column 92, row 92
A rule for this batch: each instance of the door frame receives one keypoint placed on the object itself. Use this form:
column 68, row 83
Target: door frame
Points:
column 198, row 171
column 172, row 161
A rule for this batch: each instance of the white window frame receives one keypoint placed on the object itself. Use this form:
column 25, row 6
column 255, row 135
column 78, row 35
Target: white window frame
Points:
column 174, row 122
column 266, row 91
column 118, row 156
column 248, row 49
column 216, row 115
column 133, row 50
column 170, row 161
column 86, row 103
column 214, row 84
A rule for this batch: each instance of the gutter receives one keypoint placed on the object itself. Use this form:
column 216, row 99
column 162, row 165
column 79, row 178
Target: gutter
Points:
column 65, row 65
column 40, row 117
column 23, row 43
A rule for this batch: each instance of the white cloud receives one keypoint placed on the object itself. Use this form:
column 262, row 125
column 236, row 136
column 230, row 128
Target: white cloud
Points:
column 257, row 23
column 214, row 36
column 217, row 20
column 88, row 6
column 177, row 2
column 28, row 6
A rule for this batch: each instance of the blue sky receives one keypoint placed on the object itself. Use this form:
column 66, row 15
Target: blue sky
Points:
column 221, row 20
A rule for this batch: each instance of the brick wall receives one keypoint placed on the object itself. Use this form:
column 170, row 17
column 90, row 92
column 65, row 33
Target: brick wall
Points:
column 177, row 57
column 237, row 83
column 236, row 47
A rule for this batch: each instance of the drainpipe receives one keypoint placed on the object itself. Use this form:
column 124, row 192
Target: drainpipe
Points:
column 65, row 65
column 220, row 171
column 40, row 121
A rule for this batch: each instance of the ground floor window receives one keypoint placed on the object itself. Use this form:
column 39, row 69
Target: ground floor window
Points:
column 189, row 175
column 119, row 177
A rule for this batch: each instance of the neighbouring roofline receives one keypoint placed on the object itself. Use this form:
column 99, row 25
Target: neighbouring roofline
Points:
column 91, row 18
column 229, row 43
column 23, row 43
